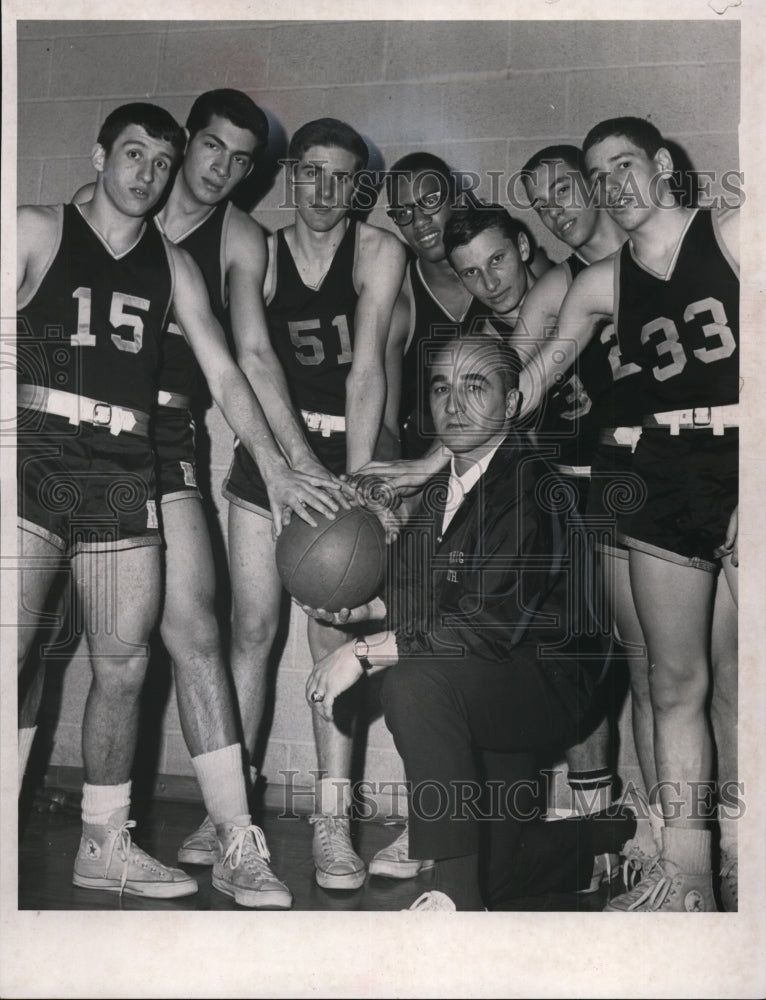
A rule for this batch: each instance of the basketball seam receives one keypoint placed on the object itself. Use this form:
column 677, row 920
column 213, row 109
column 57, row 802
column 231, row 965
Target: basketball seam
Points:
column 342, row 580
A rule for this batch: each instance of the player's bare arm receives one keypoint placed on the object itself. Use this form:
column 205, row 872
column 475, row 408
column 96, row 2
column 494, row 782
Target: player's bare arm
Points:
column 405, row 475
column 231, row 391
column 247, row 258
column 728, row 226
column 539, row 313
column 727, row 222
column 37, row 231
column 389, row 444
column 590, row 299
column 378, row 275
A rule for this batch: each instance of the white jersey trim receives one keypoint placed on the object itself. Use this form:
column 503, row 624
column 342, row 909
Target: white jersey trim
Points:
column 673, row 260
column 103, row 242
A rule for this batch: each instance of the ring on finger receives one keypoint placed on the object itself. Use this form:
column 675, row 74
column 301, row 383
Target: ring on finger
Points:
column 316, row 696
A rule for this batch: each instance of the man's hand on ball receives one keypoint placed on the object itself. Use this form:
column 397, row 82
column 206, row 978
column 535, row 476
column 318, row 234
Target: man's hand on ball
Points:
column 291, row 491
column 330, row 677
column 374, row 609
column 338, row 488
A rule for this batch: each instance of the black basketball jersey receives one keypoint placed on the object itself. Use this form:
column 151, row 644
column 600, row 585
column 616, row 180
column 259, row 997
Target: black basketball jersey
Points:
column 682, row 328
column 206, row 243
column 427, row 318
column 312, row 329
column 94, row 324
column 570, row 416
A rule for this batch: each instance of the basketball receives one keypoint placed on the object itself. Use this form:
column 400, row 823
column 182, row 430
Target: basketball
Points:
column 338, row 564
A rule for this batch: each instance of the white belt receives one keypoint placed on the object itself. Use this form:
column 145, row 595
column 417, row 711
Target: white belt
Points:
column 81, row 409
column 713, row 418
column 571, row 470
column 174, row 399
column 625, row 437
column 327, row 423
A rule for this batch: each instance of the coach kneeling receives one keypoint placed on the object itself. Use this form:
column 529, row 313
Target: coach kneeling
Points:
column 485, row 615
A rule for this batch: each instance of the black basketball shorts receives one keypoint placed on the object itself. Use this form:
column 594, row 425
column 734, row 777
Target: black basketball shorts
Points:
column 614, row 489
column 84, row 489
column 176, row 461
column 244, row 486
column 691, row 484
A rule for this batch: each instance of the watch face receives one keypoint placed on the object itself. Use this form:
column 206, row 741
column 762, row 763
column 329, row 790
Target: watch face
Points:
column 361, row 649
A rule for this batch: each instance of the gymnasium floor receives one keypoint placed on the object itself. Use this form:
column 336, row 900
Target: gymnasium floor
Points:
column 48, row 842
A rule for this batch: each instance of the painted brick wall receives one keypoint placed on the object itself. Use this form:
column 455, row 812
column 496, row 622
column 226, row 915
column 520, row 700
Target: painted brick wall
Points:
column 484, row 95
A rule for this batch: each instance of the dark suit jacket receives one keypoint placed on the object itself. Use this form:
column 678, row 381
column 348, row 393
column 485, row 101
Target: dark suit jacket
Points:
column 511, row 577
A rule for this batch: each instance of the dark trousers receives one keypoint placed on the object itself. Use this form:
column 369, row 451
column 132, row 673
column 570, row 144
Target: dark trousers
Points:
column 467, row 731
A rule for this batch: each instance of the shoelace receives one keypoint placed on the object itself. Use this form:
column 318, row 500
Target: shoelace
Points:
column 634, row 864
column 334, row 836
column 234, row 851
column 729, row 872
column 124, row 840
column 729, row 868
column 658, row 885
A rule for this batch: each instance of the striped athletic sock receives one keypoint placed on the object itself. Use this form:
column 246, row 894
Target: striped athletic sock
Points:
column 591, row 790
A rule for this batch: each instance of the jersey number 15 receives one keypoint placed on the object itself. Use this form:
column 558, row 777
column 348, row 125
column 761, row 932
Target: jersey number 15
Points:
column 117, row 318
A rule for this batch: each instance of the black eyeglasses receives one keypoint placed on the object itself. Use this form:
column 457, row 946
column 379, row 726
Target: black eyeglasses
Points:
column 429, row 204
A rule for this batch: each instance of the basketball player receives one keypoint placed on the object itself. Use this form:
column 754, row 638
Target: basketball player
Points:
column 330, row 289
column 80, row 270
column 676, row 313
column 580, row 417
column 422, row 197
column 489, row 251
column 464, row 675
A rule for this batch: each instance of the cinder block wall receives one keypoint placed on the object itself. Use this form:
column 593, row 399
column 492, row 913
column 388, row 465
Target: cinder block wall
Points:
column 484, row 95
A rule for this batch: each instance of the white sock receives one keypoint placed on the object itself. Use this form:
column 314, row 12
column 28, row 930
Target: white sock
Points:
column 332, row 796
column 689, row 849
column 26, row 739
column 222, row 782
column 100, row 803
column 657, row 822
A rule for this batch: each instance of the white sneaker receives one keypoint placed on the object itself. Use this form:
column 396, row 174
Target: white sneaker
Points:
column 434, row 900
column 108, row 859
column 338, row 866
column 242, row 869
column 729, row 882
column 200, row 847
column 394, row 861
column 665, row 888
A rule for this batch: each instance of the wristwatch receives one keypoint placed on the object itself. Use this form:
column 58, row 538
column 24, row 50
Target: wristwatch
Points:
column 361, row 652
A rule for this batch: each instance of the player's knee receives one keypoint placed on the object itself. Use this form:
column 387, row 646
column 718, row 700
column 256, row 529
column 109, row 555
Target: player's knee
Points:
column 675, row 686
column 252, row 630
column 191, row 636
column 120, row 676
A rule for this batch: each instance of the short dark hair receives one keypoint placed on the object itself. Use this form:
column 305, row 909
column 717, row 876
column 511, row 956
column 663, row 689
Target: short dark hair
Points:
column 235, row 107
column 421, row 162
column 571, row 155
column 328, row 132
column 156, row 122
column 508, row 361
column 470, row 222
column 639, row 131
